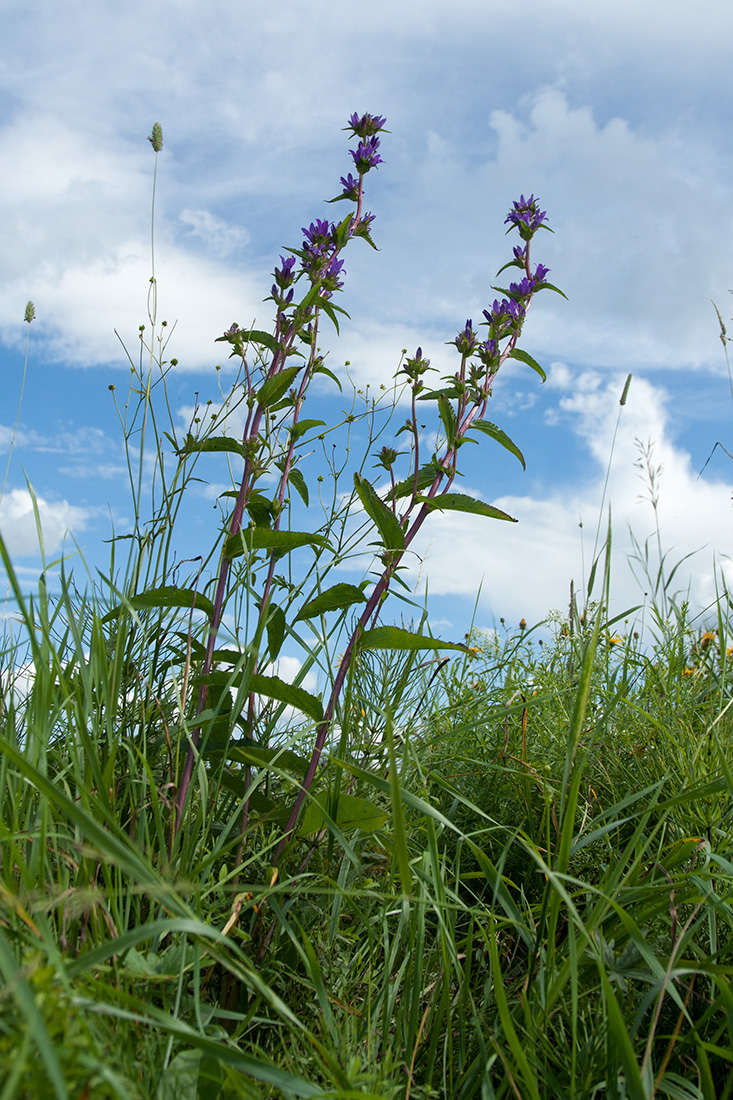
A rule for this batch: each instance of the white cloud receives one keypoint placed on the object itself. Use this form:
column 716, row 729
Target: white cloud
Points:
column 219, row 238
column 527, row 567
column 18, row 525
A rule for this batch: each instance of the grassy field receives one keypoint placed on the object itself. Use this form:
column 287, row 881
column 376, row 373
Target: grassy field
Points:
column 494, row 868
column 537, row 902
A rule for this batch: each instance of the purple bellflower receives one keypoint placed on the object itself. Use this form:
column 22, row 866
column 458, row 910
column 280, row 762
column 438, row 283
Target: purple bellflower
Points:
column 351, row 187
column 367, row 125
column 366, row 156
column 526, row 216
column 465, row 341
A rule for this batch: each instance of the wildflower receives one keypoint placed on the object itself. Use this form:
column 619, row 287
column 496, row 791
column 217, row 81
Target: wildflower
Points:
column 416, row 366
column 284, row 275
column 330, row 278
column 526, row 216
column 350, row 186
column 522, row 624
column 615, row 640
column 708, row 638
column 367, row 125
column 517, row 291
column 319, row 232
column 366, row 156
column 688, row 671
column 540, row 274
column 505, row 315
column 465, row 341
column 318, row 243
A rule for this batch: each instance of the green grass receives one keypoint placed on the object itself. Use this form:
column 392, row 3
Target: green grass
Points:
column 541, row 906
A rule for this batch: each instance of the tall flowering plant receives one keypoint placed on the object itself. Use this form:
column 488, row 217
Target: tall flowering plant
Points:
column 278, row 368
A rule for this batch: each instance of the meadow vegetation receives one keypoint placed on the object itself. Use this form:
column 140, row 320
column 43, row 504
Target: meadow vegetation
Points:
column 493, row 867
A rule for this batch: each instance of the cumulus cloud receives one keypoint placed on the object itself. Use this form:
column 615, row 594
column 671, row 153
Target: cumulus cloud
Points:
column 527, row 567
column 18, row 523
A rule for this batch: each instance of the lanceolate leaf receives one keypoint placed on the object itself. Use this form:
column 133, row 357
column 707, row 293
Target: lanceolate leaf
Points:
column 296, row 479
column 254, row 336
column 459, row 502
column 264, row 538
column 336, row 598
column 304, row 426
column 501, row 437
column 320, row 369
column 275, row 631
column 396, row 637
column 391, row 534
column 352, row 813
column 273, row 389
column 448, row 417
column 217, row 443
column 523, row 357
column 330, row 309
column 257, row 757
column 425, row 478
column 272, row 687
column 167, row 596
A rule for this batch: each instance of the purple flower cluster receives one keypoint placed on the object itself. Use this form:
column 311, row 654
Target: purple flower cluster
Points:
column 317, row 248
column 284, row 278
column 505, row 316
column 367, row 125
column 350, row 187
column 366, row 156
column 526, row 216
column 323, row 240
column 466, row 339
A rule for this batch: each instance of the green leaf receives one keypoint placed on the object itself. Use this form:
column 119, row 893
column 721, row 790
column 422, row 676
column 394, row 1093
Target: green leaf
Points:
column 501, row 437
column 523, row 357
column 390, row 532
column 341, row 232
column 272, row 687
column 264, row 538
column 296, row 479
column 352, row 813
column 273, row 388
column 425, row 478
column 257, row 757
column 321, row 369
column 336, row 598
column 460, row 502
column 260, row 509
column 167, row 596
column 331, row 309
column 275, row 630
column 448, row 417
column 449, row 391
column 396, row 637
column 304, row 426
column 254, row 336
column 549, row 286
column 217, row 443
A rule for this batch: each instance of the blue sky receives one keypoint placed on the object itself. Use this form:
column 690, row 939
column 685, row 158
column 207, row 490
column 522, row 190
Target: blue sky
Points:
column 615, row 113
